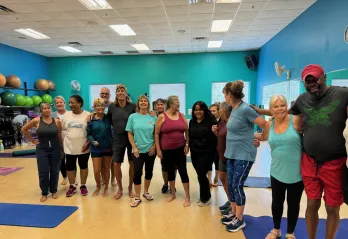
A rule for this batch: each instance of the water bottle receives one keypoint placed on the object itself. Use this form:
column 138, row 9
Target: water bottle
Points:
column 1, row 146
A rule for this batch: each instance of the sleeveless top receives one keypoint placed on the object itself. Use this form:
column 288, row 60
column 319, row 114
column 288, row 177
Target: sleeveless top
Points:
column 48, row 135
column 286, row 152
column 172, row 133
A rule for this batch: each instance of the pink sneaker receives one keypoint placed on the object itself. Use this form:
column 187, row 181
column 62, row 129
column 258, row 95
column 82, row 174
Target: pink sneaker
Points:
column 71, row 191
column 84, row 191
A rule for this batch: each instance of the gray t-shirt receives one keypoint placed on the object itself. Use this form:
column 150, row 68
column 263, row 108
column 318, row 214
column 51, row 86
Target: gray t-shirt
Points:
column 324, row 120
column 119, row 117
column 20, row 119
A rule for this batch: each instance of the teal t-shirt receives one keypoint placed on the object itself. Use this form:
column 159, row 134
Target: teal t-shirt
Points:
column 240, row 133
column 286, row 152
column 142, row 127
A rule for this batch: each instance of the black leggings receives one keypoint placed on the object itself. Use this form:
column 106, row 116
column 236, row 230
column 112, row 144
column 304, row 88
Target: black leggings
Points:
column 294, row 194
column 63, row 166
column 71, row 161
column 175, row 159
column 146, row 159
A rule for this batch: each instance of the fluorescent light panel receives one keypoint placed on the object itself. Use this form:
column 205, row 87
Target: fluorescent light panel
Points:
column 221, row 25
column 123, row 30
column 96, row 4
column 69, row 49
column 214, row 44
column 33, row 34
column 141, row 47
column 228, row 1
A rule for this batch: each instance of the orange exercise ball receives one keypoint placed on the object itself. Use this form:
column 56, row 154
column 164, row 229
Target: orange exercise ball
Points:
column 41, row 84
column 51, row 85
column 2, row 80
column 13, row 81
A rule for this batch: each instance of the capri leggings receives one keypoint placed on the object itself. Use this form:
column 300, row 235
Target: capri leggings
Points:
column 175, row 159
column 71, row 161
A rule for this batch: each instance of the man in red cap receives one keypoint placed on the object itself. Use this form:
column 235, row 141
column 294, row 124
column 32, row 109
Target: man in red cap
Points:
column 324, row 112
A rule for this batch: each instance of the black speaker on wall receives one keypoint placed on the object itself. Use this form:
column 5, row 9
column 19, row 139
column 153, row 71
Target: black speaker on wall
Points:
column 251, row 61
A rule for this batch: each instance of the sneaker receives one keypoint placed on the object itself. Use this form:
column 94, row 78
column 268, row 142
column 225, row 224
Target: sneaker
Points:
column 227, row 205
column 84, row 191
column 236, row 225
column 165, row 189
column 203, row 204
column 71, row 191
column 226, row 213
column 228, row 220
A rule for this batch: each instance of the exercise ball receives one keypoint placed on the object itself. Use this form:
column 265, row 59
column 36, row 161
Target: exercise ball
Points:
column 47, row 98
column 13, row 81
column 28, row 101
column 20, row 100
column 36, row 100
column 2, row 80
column 51, row 85
column 8, row 98
column 41, row 84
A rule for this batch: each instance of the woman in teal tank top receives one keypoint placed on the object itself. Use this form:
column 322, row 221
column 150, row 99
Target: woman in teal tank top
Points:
column 286, row 151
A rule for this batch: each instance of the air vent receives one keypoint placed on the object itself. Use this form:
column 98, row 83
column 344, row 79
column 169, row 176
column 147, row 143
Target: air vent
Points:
column 132, row 52
column 74, row 44
column 6, row 11
column 158, row 51
column 200, row 38
column 106, row 52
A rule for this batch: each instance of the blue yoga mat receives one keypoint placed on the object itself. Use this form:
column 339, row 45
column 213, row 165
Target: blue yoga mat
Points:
column 259, row 227
column 31, row 215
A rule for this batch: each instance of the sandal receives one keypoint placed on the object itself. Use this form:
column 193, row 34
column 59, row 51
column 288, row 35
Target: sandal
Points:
column 292, row 236
column 135, row 202
column 273, row 235
column 148, row 196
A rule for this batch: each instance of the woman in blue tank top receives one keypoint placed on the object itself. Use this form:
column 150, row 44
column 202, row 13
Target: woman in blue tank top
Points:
column 286, row 151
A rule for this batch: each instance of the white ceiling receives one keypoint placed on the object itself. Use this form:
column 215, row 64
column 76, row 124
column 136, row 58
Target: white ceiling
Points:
column 156, row 23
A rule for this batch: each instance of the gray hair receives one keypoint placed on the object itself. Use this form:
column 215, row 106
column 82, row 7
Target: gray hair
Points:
column 170, row 100
column 43, row 104
column 59, row 97
column 274, row 98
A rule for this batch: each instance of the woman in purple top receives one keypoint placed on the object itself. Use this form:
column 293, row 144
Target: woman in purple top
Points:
column 172, row 146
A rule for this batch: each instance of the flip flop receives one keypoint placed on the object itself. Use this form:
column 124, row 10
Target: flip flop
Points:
column 148, row 196
column 136, row 202
column 118, row 195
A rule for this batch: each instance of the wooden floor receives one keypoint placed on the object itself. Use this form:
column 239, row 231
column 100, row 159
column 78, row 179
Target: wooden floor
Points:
column 99, row 217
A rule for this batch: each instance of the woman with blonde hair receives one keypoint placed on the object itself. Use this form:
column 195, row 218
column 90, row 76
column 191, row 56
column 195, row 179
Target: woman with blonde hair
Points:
column 100, row 136
column 286, row 151
column 240, row 152
column 140, row 128
column 173, row 145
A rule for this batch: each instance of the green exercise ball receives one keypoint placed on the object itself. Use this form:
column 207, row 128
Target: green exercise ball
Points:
column 28, row 101
column 8, row 98
column 36, row 100
column 20, row 100
column 47, row 98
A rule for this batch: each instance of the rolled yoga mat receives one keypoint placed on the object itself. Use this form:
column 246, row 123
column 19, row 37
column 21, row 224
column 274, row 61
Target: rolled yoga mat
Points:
column 20, row 153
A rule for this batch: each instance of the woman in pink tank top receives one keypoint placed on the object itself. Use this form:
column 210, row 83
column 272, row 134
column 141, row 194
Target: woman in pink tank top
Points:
column 172, row 146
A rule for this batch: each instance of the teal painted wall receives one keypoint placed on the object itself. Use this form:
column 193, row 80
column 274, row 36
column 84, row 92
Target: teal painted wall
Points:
column 197, row 71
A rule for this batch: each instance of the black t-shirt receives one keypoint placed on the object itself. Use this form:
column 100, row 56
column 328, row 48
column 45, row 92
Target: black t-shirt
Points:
column 202, row 139
column 324, row 120
column 119, row 116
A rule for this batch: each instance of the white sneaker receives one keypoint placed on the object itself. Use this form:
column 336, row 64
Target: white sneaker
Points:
column 203, row 204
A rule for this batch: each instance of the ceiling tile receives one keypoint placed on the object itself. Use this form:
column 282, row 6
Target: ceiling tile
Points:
column 68, row 5
column 60, row 15
column 46, row 7
column 267, row 27
column 16, row 18
column 288, row 4
column 252, row 6
column 177, row 10
column 238, row 28
column 38, row 16
column 226, row 7
column 281, row 13
column 224, row 15
column 202, row 8
column 160, row 25
column 54, row 24
column 35, row 1
column 21, row 8
column 134, row 3
column 162, row 31
column 106, row 13
column 275, row 20
column 179, row 18
column 246, row 15
column 114, row 21
column 200, row 17
column 243, row 22
column 82, row 15
column 134, row 12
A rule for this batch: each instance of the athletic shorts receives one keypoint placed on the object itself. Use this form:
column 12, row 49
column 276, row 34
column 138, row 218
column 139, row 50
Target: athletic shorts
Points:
column 326, row 177
column 100, row 155
column 119, row 147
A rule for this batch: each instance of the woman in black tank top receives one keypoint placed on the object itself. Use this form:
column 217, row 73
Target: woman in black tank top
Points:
column 48, row 149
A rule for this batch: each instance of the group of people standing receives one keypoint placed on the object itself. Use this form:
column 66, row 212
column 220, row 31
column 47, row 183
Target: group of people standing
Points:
column 307, row 148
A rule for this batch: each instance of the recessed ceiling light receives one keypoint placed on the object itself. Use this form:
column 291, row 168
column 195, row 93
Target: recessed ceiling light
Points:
column 123, row 30
column 214, row 44
column 221, row 25
column 69, row 49
column 228, row 1
column 96, row 4
column 31, row 33
column 141, row 47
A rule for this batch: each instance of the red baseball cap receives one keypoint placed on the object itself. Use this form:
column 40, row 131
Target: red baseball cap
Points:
column 312, row 70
